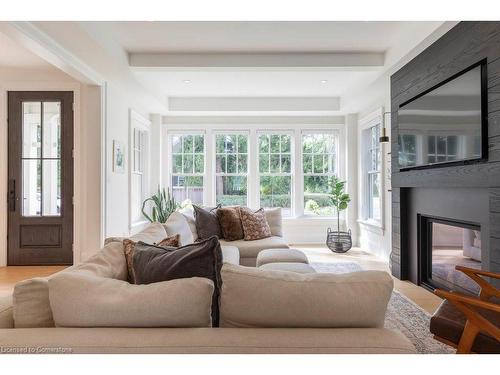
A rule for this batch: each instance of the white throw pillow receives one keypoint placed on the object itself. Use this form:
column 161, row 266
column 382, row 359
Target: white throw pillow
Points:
column 82, row 300
column 189, row 215
column 178, row 224
column 251, row 297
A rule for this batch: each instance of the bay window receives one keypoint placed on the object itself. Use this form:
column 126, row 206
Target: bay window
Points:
column 319, row 164
column 275, row 170
column 231, row 168
column 188, row 167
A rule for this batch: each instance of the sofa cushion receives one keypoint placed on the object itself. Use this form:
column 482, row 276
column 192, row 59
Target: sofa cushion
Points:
column 230, row 223
column 252, row 297
column 207, row 223
column 31, row 306
column 250, row 249
column 178, row 224
column 153, row 233
column 255, row 226
column 129, row 249
column 211, row 340
column 230, row 254
column 290, row 267
column 201, row 259
column 81, row 300
column 281, row 255
column 275, row 220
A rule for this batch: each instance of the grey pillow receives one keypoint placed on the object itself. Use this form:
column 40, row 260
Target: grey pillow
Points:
column 207, row 222
column 153, row 264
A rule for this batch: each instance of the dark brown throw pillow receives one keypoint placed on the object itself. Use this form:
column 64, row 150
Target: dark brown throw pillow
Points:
column 200, row 259
column 129, row 248
column 207, row 223
column 254, row 224
column 230, row 223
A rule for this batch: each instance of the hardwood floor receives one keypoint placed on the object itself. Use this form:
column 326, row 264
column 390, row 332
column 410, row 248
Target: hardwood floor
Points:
column 9, row 276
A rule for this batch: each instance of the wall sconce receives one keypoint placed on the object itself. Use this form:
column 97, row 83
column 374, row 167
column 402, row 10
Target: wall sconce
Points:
column 384, row 138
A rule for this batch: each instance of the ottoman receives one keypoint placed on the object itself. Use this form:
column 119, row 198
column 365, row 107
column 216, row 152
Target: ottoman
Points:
column 291, row 267
column 281, row 256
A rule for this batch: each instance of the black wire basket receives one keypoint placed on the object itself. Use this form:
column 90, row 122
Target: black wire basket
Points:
column 339, row 242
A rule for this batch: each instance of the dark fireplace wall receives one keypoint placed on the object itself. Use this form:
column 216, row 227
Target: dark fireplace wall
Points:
column 469, row 191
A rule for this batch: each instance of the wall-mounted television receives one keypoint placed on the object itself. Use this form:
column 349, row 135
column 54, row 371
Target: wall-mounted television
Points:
column 445, row 124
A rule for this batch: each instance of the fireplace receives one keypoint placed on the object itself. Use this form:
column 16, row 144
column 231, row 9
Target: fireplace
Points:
column 444, row 244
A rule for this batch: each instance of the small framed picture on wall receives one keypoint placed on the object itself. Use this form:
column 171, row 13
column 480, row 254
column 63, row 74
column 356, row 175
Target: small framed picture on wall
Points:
column 118, row 157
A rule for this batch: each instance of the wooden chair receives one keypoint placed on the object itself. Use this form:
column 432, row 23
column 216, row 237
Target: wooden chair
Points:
column 469, row 323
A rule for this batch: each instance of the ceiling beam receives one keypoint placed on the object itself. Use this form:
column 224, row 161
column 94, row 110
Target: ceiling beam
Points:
column 32, row 38
column 255, row 61
column 253, row 103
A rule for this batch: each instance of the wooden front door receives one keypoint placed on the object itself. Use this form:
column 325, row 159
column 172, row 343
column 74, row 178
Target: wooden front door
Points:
column 40, row 191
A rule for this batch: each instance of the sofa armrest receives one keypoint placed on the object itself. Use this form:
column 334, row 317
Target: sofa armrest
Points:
column 6, row 312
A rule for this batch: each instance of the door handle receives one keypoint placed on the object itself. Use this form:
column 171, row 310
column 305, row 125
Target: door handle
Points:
column 12, row 195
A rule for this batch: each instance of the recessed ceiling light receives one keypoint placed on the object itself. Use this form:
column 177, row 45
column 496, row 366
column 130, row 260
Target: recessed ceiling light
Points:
column 187, row 81
column 324, row 81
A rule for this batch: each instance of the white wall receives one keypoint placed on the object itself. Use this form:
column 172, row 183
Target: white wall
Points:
column 377, row 240
column 119, row 102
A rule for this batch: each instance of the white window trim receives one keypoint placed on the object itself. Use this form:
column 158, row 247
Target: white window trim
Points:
column 168, row 157
column 137, row 121
column 367, row 122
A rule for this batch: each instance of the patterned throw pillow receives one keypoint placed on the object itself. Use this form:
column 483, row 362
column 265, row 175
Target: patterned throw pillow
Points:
column 129, row 247
column 230, row 223
column 255, row 226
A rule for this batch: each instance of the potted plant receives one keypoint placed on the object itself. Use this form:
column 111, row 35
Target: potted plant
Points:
column 338, row 241
column 163, row 205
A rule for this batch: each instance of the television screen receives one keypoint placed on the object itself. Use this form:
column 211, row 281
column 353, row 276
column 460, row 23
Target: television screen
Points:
column 444, row 124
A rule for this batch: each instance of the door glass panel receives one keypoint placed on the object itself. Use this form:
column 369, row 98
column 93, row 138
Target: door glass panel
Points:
column 32, row 129
column 51, row 191
column 51, row 129
column 32, row 188
column 41, row 159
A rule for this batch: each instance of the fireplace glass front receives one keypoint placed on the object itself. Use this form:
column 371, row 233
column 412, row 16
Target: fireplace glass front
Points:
column 448, row 244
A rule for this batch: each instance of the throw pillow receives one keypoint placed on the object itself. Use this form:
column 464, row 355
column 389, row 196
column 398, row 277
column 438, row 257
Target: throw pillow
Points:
column 129, row 249
column 207, row 223
column 230, row 223
column 201, row 259
column 254, row 224
column 178, row 224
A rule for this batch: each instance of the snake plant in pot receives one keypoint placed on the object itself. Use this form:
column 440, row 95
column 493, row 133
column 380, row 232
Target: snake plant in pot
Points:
column 338, row 241
column 162, row 203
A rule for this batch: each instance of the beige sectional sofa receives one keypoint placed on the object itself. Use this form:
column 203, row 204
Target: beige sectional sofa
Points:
column 341, row 314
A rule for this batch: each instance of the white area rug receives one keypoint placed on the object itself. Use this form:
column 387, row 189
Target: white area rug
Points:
column 402, row 314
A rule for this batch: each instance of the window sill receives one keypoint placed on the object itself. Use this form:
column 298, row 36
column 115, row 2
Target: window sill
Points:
column 375, row 226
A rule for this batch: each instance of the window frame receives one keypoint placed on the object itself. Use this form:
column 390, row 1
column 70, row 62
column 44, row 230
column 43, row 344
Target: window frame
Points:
column 377, row 172
column 216, row 174
column 338, row 169
column 171, row 174
column 143, row 126
column 291, row 174
column 376, row 118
